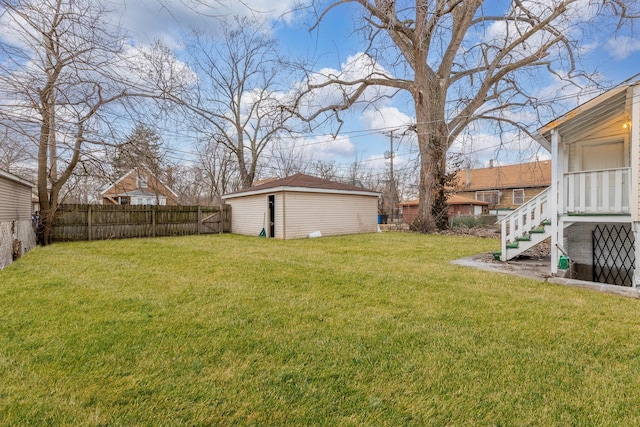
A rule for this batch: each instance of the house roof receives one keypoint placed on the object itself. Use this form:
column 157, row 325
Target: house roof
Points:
column 522, row 175
column 302, row 183
column 453, row 200
column 107, row 187
column 15, row 178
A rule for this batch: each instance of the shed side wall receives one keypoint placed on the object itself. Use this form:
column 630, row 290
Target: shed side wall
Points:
column 331, row 214
column 15, row 201
column 248, row 214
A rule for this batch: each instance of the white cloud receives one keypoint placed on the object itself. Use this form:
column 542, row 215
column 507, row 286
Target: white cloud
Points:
column 167, row 20
column 318, row 147
column 385, row 118
column 356, row 67
column 622, row 47
column 325, row 147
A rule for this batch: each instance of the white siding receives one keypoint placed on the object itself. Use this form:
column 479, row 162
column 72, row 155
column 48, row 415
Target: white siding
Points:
column 578, row 242
column 279, row 218
column 298, row 213
column 635, row 153
column 331, row 214
column 248, row 214
column 15, row 230
column 15, row 200
column 15, row 219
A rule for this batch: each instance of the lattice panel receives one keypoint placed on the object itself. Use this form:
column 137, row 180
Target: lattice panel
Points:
column 613, row 255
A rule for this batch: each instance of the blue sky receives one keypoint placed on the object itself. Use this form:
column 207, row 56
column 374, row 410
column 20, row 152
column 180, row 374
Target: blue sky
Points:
column 613, row 53
column 335, row 42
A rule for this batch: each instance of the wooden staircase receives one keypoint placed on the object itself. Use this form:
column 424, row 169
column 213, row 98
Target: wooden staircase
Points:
column 528, row 240
column 525, row 227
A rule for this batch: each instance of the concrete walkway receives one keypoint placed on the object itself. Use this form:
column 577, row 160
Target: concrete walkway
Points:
column 539, row 270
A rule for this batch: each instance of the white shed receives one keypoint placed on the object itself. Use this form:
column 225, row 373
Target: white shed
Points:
column 296, row 206
column 16, row 232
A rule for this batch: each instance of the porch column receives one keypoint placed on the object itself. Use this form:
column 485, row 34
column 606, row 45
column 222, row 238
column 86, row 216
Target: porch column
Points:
column 554, row 199
column 635, row 227
column 634, row 202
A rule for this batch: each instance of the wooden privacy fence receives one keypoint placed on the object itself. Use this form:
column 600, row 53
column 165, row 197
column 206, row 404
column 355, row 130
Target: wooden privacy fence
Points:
column 101, row 222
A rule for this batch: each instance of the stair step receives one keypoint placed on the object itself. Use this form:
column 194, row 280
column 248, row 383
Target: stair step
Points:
column 545, row 222
column 537, row 231
column 525, row 238
column 497, row 255
column 512, row 245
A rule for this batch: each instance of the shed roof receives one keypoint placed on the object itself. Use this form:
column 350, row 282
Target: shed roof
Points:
column 522, row 175
column 303, row 183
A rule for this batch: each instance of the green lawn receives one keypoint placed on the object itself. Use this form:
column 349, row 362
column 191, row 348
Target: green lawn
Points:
column 359, row 330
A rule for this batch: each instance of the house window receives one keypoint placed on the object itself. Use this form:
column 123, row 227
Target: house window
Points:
column 142, row 181
column 124, row 200
column 492, row 197
column 518, row 196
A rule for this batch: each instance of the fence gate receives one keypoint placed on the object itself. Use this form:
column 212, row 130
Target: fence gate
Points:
column 613, row 254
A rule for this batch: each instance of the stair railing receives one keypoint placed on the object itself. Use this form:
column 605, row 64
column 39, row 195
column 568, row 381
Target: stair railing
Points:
column 527, row 217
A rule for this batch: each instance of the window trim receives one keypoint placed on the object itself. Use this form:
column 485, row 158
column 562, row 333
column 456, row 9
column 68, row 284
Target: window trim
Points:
column 520, row 197
column 494, row 196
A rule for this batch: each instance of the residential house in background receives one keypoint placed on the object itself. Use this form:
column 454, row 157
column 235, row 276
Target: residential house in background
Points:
column 17, row 234
column 138, row 187
column 504, row 187
column 591, row 210
column 301, row 205
column 457, row 206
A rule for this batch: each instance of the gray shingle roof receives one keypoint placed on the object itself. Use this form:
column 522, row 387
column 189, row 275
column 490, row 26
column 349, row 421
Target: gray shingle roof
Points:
column 300, row 180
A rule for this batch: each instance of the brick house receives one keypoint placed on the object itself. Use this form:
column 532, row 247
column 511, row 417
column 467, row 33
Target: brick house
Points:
column 504, row 187
column 457, row 205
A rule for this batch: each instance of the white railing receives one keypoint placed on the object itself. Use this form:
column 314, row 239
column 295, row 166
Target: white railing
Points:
column 606, row 191
column 526, row 217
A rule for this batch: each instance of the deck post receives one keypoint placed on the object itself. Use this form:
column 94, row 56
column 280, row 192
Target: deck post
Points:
column 554, row 199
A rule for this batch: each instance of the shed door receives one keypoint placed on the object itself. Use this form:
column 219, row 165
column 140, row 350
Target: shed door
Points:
column 271, row 200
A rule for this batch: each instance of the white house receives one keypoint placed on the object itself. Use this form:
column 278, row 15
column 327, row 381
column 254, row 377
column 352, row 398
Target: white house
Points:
column 299, row 205
column 16, row 231
column 591, row 211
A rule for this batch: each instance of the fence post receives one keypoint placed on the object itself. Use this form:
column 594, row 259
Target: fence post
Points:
column 153, row 221
column 225, row 214
column 89, row 223
column 199, row 219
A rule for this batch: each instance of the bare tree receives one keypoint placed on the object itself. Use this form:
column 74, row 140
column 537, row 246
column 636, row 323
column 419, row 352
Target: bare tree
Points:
column 460, row 64
column 287, row 158
column 67, row 76
column 13, row 154
column 326, row 169
column 238, row 101
column 217, row 171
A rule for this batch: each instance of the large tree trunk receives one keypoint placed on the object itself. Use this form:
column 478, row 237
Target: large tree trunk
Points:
column 432, row 209
column 433, row 142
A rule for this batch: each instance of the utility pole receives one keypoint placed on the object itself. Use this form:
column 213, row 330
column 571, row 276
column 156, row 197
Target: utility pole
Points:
column 392, row 183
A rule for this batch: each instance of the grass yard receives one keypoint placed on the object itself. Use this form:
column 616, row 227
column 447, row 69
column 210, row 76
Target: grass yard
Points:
column 359, row 330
